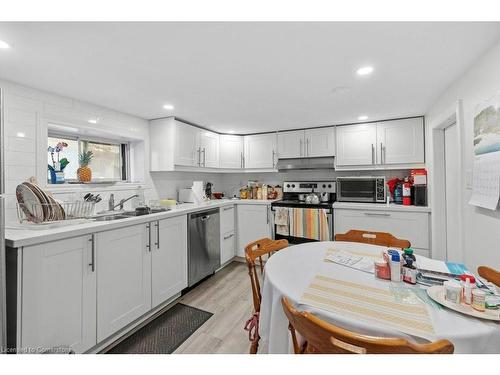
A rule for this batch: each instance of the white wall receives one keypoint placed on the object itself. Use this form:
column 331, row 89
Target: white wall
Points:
column 481, row 228
column 28, row 111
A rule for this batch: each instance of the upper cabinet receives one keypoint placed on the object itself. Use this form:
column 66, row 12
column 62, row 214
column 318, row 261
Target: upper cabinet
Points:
column 175, row 144
column 382, row 144
column 261, row 151
column 231, row 151
column 307, row 143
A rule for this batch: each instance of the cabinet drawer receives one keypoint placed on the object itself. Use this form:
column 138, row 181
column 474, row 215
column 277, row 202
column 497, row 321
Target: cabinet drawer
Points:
column 227, row 247
column 227, row 219
column 411, row 226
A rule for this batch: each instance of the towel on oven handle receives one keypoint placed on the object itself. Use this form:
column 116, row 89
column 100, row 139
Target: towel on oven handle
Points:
column 281, row 220
column 309, row 223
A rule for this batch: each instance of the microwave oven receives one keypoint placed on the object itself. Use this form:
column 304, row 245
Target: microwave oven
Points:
column 368, row 189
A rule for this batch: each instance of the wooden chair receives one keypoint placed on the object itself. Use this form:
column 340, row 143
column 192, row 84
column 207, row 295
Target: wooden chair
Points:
column 489, row 274
column 373, row 238
column 325, row 338
column 254, row 252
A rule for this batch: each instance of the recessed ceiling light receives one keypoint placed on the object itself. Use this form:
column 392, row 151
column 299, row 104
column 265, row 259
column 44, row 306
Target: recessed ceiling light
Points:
column 168, row 107
column 365, row 70
column 92, row 121
column 4, row 45
column 361, row 118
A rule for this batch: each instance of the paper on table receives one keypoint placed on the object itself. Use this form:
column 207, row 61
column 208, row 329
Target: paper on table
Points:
column 351, row 260
column 486, row 181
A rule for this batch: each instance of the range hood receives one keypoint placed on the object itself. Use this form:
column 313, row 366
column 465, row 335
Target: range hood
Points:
column 306, row 163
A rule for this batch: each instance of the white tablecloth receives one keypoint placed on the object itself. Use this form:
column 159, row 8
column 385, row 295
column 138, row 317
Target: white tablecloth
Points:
column 290, row 271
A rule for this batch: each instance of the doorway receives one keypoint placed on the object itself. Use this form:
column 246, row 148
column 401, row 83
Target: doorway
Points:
column 452, row 195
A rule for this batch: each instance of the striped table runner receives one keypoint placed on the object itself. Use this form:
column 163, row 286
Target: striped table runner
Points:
column 369, row 304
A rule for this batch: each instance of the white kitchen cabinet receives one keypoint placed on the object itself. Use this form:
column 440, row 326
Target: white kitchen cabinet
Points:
column 309, row 143
column 291, row 144
column 124, row 282
column 411, row 226
column 382, row 144
column 227, row 247
column 227, row 234
column 261, row 151
column 253, row 223
column 320, row 142
column 400, row 141
column 231, row 151
column 187, row 146
column 356, row 144
column 169, row 258
column 59, row 295
column 227, row 215
column 209, row 149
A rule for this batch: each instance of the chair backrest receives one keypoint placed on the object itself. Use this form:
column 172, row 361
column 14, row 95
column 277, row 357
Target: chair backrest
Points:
column 326, row 338
column 373, row 238
column 255, row 251
column 489, row 274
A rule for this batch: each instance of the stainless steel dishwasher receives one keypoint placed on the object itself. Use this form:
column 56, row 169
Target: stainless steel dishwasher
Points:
column 203, row 244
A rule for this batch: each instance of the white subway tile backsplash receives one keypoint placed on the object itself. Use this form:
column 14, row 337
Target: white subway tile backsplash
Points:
column 21, row 158
column 12, row 129
column 19, row 172
column 19, row 143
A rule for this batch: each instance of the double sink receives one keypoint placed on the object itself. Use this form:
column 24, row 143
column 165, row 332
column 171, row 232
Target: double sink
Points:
column 127, row 214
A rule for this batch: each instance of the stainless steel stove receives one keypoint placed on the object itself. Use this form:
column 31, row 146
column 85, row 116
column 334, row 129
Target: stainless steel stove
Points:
column 295, row 196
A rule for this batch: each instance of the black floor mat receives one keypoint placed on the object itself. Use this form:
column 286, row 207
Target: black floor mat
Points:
column 164, row 334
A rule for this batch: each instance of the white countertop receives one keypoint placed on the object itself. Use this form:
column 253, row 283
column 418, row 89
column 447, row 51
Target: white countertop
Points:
column 17, row 235
column 380, row 207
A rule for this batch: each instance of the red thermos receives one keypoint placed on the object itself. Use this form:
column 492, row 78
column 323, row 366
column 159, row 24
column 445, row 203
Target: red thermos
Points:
column 406, row 192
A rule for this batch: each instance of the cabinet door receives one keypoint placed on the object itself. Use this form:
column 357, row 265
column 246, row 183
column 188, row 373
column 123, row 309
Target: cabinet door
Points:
column 124, row 282
column 400, row 141
column 169, row 258
column 260, row 151
column 230, row 151
column 227, row 247
column 291, row 144
column 209, row 144
column 320, row 142
column 59, row 295
column 253, row 222
column 356, row 144
column 187, row 149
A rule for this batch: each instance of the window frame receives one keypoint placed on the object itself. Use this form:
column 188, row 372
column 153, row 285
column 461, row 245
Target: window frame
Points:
column 124, row 153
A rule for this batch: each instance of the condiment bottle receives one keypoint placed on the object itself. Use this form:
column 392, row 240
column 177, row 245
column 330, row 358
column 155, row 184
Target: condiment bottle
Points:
column 478, row 299
column 395, row 267
column 468, row 284
column 409, row 271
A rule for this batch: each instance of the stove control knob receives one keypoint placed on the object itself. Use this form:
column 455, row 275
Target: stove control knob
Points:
column 324, row 186
column 293, row 185
column 287, row 185
column 329, row 186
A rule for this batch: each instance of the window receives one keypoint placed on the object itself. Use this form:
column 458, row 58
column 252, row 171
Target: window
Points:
column 109, row 162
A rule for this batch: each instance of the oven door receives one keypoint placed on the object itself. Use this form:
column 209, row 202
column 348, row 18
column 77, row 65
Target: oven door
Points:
column 356, row 190
column 292, row 240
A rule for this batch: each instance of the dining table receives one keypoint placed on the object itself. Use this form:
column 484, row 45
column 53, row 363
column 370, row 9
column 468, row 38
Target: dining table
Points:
column 293, row 271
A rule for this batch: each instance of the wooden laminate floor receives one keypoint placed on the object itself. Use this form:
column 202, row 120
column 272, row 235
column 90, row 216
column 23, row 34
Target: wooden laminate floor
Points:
column 228, row 296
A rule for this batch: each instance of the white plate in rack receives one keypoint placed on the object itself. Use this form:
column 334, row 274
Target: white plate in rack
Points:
column 437, row 294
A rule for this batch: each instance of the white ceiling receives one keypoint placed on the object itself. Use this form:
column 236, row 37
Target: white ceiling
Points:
column 246, row 77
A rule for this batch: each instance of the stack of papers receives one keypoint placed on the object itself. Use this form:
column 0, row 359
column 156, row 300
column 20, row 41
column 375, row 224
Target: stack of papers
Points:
column 345, row 258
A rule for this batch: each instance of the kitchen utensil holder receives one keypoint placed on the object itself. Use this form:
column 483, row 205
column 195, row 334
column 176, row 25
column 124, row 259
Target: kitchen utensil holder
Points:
column 50, row 212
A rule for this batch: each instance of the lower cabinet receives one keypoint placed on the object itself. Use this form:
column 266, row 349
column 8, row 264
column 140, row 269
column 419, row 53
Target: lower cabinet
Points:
column 253, row 223
column 124, row 282
column 411, row 226
column 169, row 258
column 59, row 295
column 227, row 247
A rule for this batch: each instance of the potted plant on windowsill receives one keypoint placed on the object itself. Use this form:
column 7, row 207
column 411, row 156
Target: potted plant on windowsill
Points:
column 57, row 167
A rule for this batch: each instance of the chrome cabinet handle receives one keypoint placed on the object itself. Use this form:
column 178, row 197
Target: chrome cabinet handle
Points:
column 377, row 214
column 241, row 159
column 157, row 225
column 229, row 236
column 227, row 208
column 199, row 156
column 204, row 157
column 301, row 147
column 267, row 215
column 373, row 154
column 273, row 157
column 307, row 147
column 148, row 245
column 92, row 261
column 381, row 153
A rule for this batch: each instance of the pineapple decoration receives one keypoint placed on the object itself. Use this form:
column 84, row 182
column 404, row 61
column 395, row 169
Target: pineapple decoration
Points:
column 84, row 172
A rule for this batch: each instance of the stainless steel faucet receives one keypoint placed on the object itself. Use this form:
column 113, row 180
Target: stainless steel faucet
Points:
column 112, row 205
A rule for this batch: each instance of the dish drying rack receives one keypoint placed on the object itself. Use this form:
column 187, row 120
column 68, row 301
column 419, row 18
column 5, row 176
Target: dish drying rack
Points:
column 39, row 213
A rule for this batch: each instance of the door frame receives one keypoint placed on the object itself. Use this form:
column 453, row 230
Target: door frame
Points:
column 437, row 179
